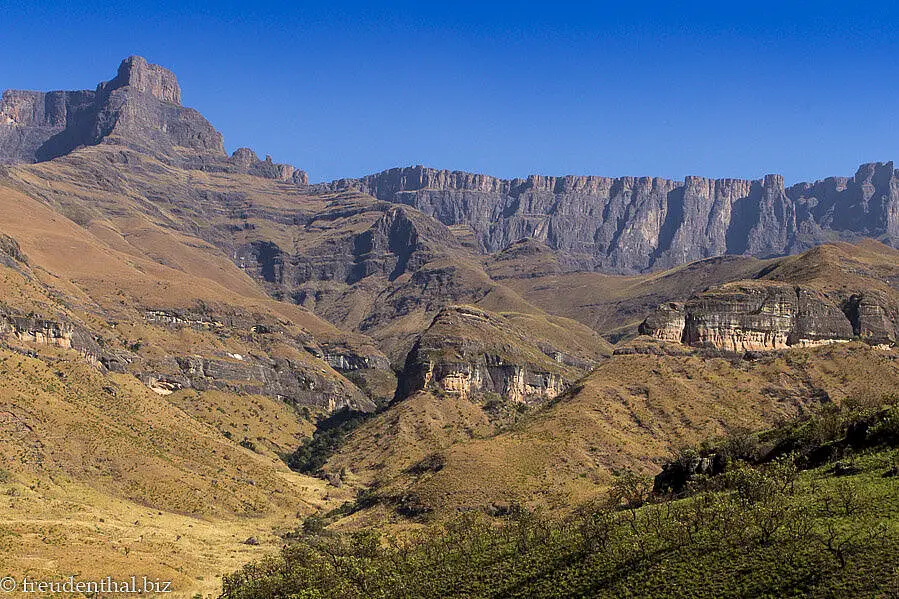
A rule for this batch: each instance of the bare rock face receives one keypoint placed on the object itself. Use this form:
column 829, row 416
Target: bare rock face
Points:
column 631, row 224
column 666, row 323
column 43, row 331
column 743, row 317
column 297, row 382
column 245, row 160
column 874, row 317
column 470, row 353
column 139, row 108
column 397, row 242
column 10, row 253
column 145, row 78
column 29, row 120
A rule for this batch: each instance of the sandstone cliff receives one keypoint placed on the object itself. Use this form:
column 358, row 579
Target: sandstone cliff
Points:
column 29, row 329
column 277, row 363
column 760, row 316
column 472, row 353
column 633, row 224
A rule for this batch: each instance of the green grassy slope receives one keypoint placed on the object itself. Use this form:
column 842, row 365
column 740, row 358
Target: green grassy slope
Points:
column 769, row 529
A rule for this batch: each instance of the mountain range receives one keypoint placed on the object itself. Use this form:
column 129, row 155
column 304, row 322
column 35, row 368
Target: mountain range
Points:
column 178, row 324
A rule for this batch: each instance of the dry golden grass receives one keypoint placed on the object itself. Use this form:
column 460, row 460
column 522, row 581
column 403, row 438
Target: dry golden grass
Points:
column 55, row 528
column 612, row 305
column 103, row 477
column 414, row 428
column 633, row 411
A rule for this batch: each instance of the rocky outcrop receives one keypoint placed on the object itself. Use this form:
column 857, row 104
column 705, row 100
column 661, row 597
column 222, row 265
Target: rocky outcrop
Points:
column 245, row 160
column 513, row 383
column 396, row 242
column 667, row 323
column 11, row 254
column 471, row 353
column 633, row 224
column 145, row 78
column 751, row 316
column 342, row 360
column 302, row 382
column 294, row 382
column 43, row 331
column 29, row 120
column 874, row 317
column 139, row 108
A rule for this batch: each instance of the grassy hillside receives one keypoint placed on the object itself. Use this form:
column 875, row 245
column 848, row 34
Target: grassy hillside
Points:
column 233, row 312
column 631, row 411
column 193, row 229
column 612, row 305
column 103, row 475
column 767, row 530
column 615, row 305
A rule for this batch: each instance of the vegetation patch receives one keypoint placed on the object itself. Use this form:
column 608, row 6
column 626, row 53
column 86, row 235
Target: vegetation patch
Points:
column 328, row 437
column 773, row 525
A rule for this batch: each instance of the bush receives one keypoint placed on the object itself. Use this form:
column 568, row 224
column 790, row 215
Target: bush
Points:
column 761, row 538
column 314, row 525
column 327, row 438
column 431, row 463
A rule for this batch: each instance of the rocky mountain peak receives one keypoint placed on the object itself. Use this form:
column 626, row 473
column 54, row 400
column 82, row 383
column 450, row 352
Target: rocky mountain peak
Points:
column 139, row 108
column 141, row 76
column 874, row 176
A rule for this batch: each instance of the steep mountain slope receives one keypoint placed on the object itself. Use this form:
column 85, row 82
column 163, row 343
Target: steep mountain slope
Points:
column 104, row 474
column 174, row 320
column 200, row 324
column 832, row 293
column 612, row 305
column 149, row 386
column 434, row 455
column 139, row 108
column 631, row 224
column 653, row 394
column 144, row 254
column 368, row 266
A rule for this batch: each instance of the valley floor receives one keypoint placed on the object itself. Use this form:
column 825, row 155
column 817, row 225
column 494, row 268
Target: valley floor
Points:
column 52, row 530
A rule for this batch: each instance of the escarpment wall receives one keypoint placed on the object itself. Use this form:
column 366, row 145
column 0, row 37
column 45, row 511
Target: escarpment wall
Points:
column 139, row 108
column 634, row 224
column 757, row 317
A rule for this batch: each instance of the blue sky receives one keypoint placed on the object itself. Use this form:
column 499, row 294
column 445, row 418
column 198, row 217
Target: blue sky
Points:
column 739, row 89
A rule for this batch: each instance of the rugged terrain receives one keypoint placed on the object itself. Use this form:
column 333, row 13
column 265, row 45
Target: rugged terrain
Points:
column 634, row 224
column 175, row 322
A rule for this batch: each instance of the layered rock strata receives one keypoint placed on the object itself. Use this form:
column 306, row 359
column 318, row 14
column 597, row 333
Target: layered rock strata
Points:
column 751, row 317
column 42, row 331
column 297, row 381
column 634, row 224
column 471, row 352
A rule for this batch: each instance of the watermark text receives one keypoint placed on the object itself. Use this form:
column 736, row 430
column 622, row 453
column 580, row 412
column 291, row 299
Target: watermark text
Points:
column 136, row 585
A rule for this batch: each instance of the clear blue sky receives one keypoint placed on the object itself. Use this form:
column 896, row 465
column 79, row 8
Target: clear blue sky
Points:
column 720, row 89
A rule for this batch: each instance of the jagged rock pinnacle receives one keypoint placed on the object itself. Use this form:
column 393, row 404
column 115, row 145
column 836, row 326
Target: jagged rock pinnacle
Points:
column 146, row 78
column 140, row 108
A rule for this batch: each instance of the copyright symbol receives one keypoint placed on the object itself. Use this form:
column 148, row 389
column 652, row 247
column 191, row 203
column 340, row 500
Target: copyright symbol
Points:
column 8, row 584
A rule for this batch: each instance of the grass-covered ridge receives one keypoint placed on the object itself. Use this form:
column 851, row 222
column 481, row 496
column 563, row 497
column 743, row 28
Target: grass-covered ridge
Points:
column 759, row 528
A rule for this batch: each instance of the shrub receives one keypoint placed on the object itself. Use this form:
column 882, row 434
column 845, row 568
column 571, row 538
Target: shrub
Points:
column 327, row 438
